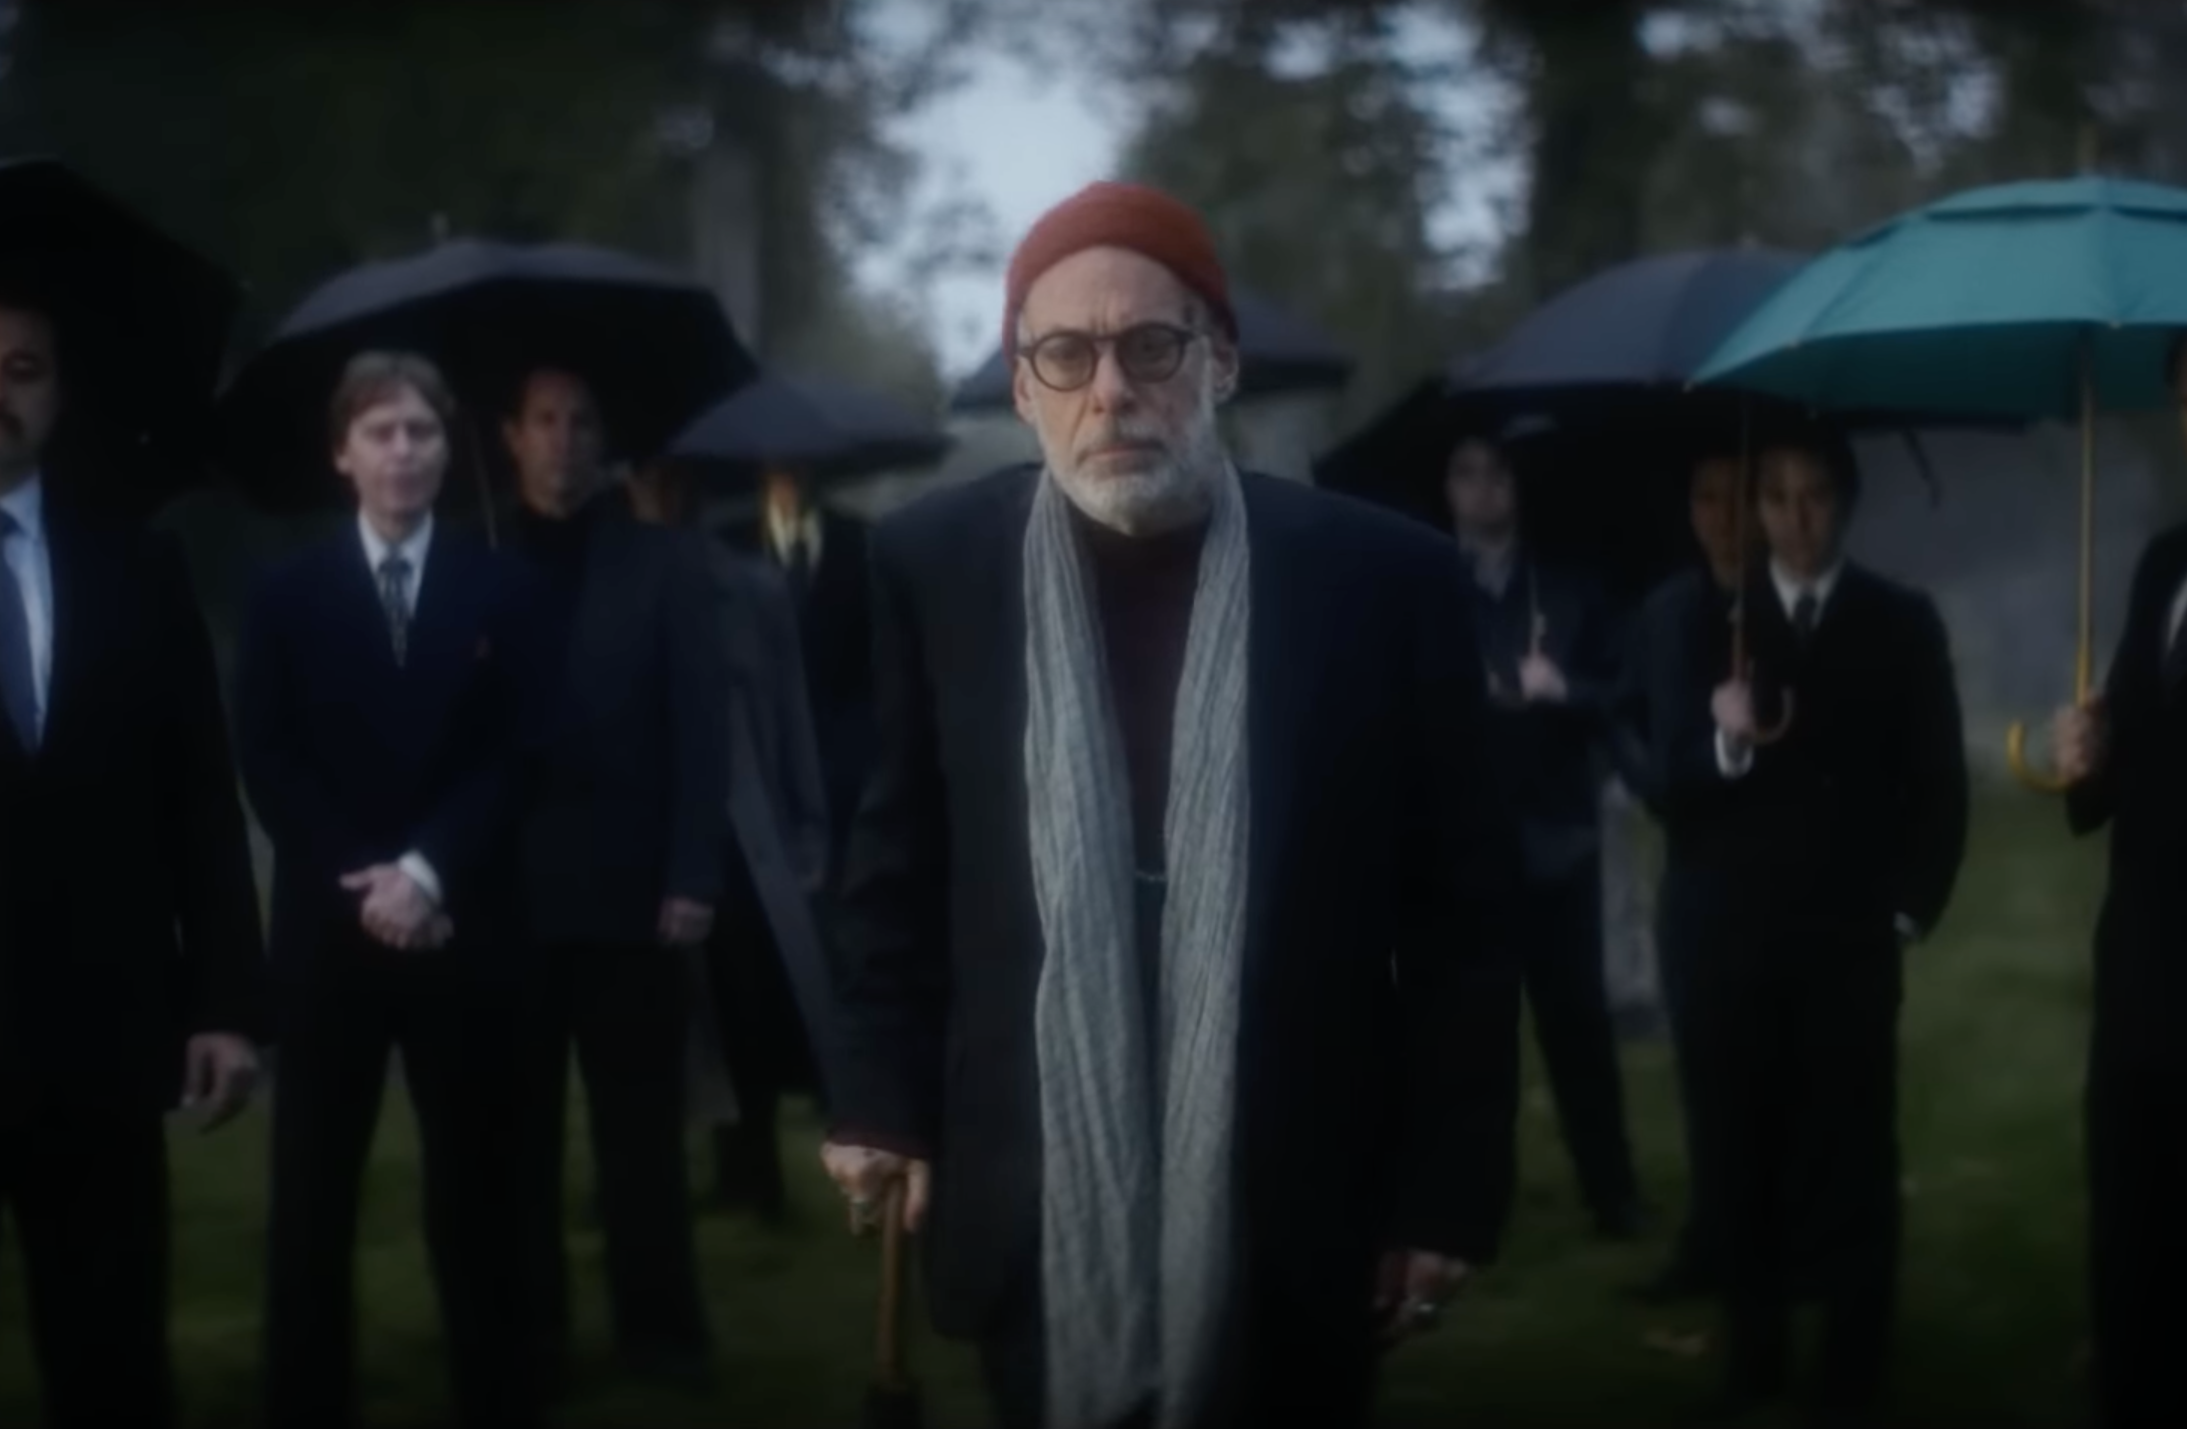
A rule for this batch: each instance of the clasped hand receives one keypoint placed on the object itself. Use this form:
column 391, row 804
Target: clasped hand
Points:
column 396, row 911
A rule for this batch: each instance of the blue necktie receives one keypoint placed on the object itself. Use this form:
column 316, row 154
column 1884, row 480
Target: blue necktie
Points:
column 18, row 681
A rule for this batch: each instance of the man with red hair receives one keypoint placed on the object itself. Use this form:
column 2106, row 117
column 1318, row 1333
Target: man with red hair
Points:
column 1167, row 992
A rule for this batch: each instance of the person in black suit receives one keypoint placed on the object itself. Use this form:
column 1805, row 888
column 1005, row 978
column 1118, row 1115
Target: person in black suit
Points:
column 1826, row 853
column 2126, row 768
column 1691, row 610
column 1086, row 938
column 750, row 1037
column 1551, row 655
column 623, row 851
column 821, row 553
column 131, row 964
column 382, row 693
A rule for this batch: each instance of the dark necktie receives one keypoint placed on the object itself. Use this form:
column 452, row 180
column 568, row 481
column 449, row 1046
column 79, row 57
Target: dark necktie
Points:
column 1804, row 612
column 18, row 678
column 797, row 564
column 394, row 592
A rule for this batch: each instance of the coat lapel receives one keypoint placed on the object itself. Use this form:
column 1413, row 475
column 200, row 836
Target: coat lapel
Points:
column 77, row 635
column 1285, row 652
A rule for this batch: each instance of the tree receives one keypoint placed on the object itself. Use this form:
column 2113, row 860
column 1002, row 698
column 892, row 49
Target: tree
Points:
column 1318, row 181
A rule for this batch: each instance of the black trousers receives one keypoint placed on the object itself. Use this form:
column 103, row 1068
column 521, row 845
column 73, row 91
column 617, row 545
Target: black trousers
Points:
column 87, row 1189
column 2137, row 1202
column 1279, row 1373
column 1793, row 1040
column 1561, row 931
column 625, row 1008
column 1680, row 929
column 762, row 1041
column 457, row 1033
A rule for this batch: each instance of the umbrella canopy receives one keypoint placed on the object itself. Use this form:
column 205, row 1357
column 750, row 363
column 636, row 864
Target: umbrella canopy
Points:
column 812, row 425
column 1983, row 302
column 1278, row 351
column 143, row 322
column 1648, row 323
column 654, row 345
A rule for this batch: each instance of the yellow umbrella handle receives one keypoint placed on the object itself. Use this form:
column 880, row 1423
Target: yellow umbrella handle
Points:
column 2084, row 655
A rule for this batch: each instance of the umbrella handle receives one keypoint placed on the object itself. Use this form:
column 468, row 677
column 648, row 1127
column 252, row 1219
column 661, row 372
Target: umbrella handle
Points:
column 2023, row 769
column 2084, row 655
column 1770, row 734
column 890, row 1372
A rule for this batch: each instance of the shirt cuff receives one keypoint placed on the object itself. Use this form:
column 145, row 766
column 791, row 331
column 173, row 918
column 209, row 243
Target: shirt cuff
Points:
column 1730, row 762
column 421, row 873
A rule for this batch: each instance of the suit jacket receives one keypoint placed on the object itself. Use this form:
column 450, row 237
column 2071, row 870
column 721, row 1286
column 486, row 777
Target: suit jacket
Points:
column 352, row 760
column 777, row 804
column 1859, row 815
column 1681, row 624
column 128, row 910
column 779, row 798
column 1552, row 752
column 835, row 629
column 1380, row 1031
column 2141, row 976
column 628, row 809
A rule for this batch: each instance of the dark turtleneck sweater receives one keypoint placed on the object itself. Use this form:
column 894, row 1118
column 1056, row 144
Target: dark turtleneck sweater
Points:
column 556, row 548
column 1143, row 591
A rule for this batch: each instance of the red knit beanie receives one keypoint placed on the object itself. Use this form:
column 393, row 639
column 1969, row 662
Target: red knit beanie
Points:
column 1129, row 216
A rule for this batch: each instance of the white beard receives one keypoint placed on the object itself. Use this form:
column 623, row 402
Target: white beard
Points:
column 1173, row 492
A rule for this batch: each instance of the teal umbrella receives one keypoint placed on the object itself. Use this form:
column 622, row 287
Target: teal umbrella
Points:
column 2048, row 298
column 1990, row 302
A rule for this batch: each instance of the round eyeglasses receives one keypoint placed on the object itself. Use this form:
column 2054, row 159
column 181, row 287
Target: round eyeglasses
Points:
column 1147, row 353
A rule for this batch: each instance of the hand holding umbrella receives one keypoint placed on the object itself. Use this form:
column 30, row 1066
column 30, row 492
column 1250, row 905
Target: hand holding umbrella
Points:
column 2027, row 300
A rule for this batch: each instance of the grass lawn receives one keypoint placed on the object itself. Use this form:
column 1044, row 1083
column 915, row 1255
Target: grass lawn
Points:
column 1994, row 1031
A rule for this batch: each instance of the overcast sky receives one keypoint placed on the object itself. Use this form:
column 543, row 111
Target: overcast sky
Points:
column 1020, row 140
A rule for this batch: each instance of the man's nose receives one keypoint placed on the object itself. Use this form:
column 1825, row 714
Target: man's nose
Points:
column 1110, row 388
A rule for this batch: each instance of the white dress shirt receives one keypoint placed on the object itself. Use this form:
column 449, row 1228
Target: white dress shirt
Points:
column 30, row 565
column 787, row 534
column 412, row 548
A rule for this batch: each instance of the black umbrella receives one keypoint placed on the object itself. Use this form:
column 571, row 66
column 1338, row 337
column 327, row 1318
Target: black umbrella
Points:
column 1278, row 351
column 1610, row 360
column 654, row 345
column 143, row 323
column 1649, row 323
column 811, row 425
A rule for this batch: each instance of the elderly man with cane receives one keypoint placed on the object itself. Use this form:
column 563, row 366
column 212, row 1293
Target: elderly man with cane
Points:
column 1168, row 985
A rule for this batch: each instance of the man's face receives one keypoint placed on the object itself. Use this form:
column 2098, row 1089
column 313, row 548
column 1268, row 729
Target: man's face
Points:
column 1713, row 505
column 395, row 454
column 556, row 441
column 1138, row 455
column 1483, row 497
column 1802, row 515
column 30, row 392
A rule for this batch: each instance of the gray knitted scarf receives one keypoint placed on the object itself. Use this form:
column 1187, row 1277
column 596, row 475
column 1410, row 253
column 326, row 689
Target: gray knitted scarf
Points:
column 1135, row 1139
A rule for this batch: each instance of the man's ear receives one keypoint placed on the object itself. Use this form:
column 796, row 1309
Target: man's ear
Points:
column 1223, row 354
column 1021, row 390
